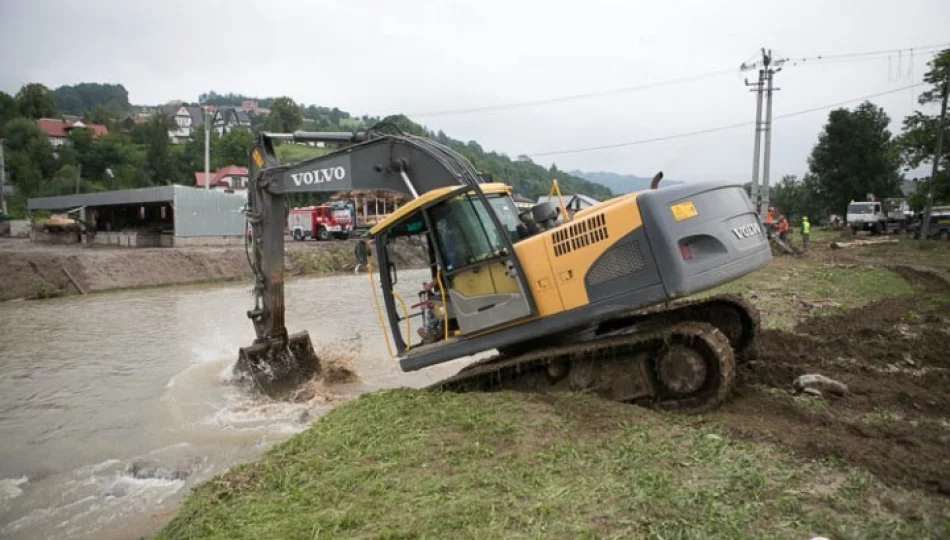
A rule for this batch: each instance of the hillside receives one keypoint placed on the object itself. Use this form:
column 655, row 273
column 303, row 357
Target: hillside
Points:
column 619, row 183
column 137, row 152
column 527, row 178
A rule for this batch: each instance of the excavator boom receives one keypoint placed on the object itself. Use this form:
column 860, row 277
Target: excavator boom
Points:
column 373, row 159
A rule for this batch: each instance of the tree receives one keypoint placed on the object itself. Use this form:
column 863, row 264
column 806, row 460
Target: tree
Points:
column 68, row 100
column 85, row 97
column 29, row 156
column 924, row 135
column 153, row 133
column 63, row 182
column 233, row 147
column 796, row 198
column 855, row 156
column 36, row 101
column 104, row 116
column 193, row 156
column 284, row 116
column 8, row 109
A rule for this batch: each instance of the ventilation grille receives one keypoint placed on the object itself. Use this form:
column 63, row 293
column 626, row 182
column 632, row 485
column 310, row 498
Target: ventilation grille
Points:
column 621, row 260
column 580, row 234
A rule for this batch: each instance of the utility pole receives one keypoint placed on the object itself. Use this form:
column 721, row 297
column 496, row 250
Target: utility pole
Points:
column 758, row 138
column 78, row 177
column 938, row 151
column 760, row 196
column 768, row 133
column 3, row 182
column 207, row 151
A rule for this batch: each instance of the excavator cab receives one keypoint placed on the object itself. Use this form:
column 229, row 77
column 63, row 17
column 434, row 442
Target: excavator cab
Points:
column 475, row 282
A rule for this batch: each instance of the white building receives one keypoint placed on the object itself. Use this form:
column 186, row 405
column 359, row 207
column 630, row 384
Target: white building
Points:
column 187, row 118
column 228, row 118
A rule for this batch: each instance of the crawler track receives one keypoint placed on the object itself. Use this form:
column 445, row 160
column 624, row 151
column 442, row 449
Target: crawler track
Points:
column 676, row 358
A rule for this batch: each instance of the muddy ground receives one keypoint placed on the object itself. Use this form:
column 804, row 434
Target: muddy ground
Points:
column 894, row 356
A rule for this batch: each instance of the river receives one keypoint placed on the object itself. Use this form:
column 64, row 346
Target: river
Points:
column 113, row 405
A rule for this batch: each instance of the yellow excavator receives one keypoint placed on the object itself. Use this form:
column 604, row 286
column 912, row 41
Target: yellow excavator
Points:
column 591, row 300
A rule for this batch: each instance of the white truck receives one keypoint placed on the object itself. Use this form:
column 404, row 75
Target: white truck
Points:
column 878, row 216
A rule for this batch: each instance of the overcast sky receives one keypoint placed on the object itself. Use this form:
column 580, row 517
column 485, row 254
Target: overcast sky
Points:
column 381, row 57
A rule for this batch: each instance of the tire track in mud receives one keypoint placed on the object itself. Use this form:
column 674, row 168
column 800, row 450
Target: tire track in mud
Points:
column 894, row 355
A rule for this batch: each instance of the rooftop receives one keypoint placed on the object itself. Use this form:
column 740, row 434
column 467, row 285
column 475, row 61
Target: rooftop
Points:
column 122, row 197
column 54, row 127
column 217, row 177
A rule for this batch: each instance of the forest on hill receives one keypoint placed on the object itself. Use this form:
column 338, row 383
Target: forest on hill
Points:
column 137, row 151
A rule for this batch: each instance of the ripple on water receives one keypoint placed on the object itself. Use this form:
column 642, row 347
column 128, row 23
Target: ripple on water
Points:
column 89, row 397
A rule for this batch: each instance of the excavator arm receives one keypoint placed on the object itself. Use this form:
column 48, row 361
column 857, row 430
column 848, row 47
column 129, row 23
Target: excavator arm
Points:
column 371, row 160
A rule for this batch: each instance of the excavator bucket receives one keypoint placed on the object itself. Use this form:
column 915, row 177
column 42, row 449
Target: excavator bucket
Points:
column 277, row 369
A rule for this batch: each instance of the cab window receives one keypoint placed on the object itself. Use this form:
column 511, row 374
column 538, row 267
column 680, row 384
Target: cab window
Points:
column 504, row 208
column 466, row 234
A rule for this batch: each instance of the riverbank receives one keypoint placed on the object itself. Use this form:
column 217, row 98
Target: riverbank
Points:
column 34, row 270
column 874, row 463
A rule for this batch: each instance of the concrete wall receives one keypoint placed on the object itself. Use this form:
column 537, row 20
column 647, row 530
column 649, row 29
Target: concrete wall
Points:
column 184, row 241
column 208, row 213
column 55, row 237
column 126, row 239
column 19, row 227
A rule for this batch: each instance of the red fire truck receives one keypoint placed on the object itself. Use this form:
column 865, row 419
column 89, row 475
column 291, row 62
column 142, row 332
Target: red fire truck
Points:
column 319, row 222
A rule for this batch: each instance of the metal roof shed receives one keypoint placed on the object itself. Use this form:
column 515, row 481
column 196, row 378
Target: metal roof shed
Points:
column 196, row 216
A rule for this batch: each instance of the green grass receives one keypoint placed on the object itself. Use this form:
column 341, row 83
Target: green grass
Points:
column 42, row 289
column 289, row 153
column 415, row 464
column 790, row 289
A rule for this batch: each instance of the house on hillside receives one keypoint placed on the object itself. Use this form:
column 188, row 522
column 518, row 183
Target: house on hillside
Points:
column 227, row 118
column 187, row 118
column 572, row 203
column 232, row 178
column 252, row 107
column 58, row 130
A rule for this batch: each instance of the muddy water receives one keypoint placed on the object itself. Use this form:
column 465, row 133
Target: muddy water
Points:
column 112, row 406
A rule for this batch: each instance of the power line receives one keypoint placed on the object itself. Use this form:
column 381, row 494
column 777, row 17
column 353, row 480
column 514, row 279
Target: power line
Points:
column 719, row 128
column 882, row 53
column 548, row 101
column 828, row 58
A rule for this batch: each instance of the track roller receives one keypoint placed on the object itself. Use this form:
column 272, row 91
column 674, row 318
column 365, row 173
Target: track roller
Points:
column 686, row 367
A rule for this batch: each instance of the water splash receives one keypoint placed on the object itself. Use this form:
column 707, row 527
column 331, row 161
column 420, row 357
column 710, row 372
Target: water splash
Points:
column 10, row 487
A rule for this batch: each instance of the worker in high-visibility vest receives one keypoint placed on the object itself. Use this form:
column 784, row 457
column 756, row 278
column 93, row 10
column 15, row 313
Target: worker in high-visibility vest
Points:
column 783, row 228
column 806, row 230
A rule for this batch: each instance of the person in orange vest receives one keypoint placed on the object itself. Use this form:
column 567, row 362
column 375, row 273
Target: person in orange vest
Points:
column 783, row 228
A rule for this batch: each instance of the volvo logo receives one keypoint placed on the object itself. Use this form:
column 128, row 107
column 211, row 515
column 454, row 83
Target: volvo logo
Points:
column 745, row 231
column 318, row 176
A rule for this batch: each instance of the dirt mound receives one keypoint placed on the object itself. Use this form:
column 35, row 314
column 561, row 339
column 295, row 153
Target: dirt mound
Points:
column 924, row 278
column 895, row 420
